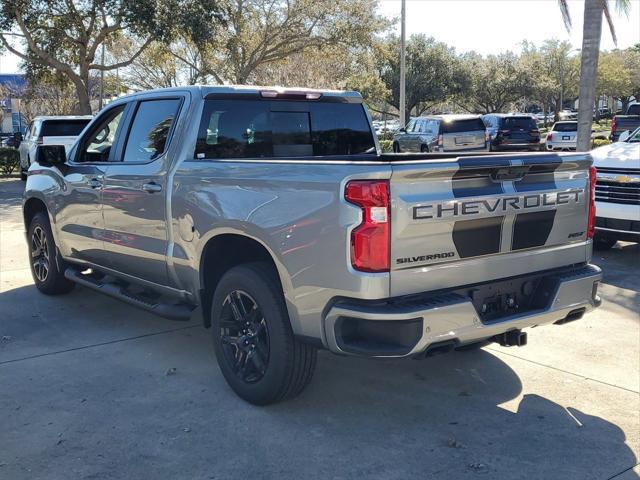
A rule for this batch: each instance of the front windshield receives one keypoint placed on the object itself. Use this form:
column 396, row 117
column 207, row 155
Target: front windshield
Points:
column 635, row 136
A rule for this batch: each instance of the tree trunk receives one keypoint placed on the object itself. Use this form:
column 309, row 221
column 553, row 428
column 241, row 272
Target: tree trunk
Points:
column 591, row 33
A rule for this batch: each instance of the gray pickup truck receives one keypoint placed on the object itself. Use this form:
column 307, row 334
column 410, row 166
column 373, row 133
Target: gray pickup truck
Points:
column 274, row 214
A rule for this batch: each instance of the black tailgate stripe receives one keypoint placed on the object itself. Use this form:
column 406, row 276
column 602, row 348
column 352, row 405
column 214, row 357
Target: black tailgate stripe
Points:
column 532, row 229
column 478, row 237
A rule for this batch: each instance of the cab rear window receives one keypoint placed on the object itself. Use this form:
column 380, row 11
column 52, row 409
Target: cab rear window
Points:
column 463, row 125
column 263, row 128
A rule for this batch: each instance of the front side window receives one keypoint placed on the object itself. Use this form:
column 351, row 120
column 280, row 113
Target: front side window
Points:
column 97, row 147
column 149, row 131
column 262, row 128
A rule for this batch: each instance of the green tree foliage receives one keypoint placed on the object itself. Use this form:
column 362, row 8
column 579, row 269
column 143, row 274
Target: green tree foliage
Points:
column 434, row 73
column 494, row 82
column 66, row 35
column 263, row 32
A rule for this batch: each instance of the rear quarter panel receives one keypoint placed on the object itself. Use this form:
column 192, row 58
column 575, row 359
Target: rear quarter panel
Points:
column 296, row 210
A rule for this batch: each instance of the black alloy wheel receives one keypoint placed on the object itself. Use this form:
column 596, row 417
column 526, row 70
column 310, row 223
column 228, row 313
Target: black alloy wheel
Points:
column 244, row 336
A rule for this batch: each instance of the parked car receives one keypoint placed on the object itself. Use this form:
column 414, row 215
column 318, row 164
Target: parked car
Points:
column 562, row 136
column 442, row 133
column 58, row 130
column 274, row 211
column 629, row 121
column 512, row 132
column 618, row 191
column 12, row 141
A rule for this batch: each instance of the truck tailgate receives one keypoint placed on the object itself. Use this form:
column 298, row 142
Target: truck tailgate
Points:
column 478, row 218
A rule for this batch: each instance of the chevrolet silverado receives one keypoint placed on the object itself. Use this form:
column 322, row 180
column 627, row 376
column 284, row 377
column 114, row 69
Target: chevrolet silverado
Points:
column 274, row 214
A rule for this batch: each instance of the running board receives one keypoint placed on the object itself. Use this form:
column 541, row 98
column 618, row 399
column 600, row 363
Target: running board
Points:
column 180, row 311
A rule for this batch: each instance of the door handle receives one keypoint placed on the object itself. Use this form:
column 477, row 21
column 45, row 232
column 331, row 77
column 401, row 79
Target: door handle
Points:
column 94, row 183
column 152, row 187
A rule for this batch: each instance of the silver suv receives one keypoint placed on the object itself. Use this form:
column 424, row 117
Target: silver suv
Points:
column 442, row 133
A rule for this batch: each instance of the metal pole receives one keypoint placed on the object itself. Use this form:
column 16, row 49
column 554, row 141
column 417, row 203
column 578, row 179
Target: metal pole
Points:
column 403, row 120
column 101, row 79
column 561, row 83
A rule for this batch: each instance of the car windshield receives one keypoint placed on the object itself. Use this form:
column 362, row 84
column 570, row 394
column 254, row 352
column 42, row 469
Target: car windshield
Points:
column 635, row 136
column 566, row 127
column 63, row 128
column 522, row 123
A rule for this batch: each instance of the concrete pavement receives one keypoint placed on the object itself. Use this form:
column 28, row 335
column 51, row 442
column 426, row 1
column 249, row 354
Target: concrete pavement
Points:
column 88, row 390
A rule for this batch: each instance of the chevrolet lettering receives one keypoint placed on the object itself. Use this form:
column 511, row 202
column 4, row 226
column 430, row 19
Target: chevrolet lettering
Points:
column 497, row 206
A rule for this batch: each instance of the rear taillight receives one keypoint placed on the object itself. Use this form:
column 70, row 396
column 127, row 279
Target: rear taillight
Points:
column 370, row 242
column 614, row 126
column 591, row 228
column 549, row 136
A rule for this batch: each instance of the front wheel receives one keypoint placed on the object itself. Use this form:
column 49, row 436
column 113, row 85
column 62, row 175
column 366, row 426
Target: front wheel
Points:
column 48, row 275
column 424, row 149
column 396, row 147
column 258, row 355
column 23, row 174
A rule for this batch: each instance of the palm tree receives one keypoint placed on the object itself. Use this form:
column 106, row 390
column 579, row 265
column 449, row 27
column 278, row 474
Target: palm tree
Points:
column 591, row 32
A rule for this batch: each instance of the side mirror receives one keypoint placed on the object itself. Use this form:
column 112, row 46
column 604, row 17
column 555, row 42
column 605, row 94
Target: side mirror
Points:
column 402, row 130
column 51, row 155
column 624, row 136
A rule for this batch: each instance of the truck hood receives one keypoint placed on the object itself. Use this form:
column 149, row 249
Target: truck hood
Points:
column 617, row 155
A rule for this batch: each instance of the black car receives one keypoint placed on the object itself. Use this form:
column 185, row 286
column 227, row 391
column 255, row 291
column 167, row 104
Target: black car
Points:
column 512, row 132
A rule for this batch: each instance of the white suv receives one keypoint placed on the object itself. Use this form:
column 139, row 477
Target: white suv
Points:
column 60, row 130
column 618, row 191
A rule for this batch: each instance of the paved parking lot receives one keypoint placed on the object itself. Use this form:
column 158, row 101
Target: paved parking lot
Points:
column 92, row 388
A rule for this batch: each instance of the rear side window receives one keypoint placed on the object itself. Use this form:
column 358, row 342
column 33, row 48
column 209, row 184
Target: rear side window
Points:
column 150, row 129
column 459, row 126
column 62, row 128
column 515, row 123
column 566, row 127
column 262, row 128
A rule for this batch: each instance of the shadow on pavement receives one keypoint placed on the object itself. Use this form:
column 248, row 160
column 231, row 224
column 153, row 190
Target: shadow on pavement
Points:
column 450, row 417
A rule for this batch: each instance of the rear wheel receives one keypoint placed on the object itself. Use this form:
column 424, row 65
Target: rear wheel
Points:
column 258, row 355
column 47, row 272
column 603, row 243
column 396, row 147
column 23, row 174
column 424, row 148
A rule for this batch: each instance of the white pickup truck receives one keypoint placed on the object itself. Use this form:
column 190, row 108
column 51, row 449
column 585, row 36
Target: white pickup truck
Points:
column 58, row 130
column 618, row 191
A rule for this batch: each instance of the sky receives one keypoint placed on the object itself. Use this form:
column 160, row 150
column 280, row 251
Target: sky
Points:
column 487, row 26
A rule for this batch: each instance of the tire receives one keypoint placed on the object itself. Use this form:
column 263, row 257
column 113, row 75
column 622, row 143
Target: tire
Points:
column 258, row 355
column 23, row 174
column 603, row 243
column 424, row 148
column 396, row 147
column 47, row 272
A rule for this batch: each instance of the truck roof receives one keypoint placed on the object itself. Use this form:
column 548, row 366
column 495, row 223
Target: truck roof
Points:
column 63, row 117
column 204, row 91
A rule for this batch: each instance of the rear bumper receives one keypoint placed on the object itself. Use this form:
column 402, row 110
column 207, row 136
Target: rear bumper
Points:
column 408, row 326
column 560, row 146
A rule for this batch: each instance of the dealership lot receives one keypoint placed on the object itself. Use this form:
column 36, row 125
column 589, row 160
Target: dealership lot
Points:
column 92, row 388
